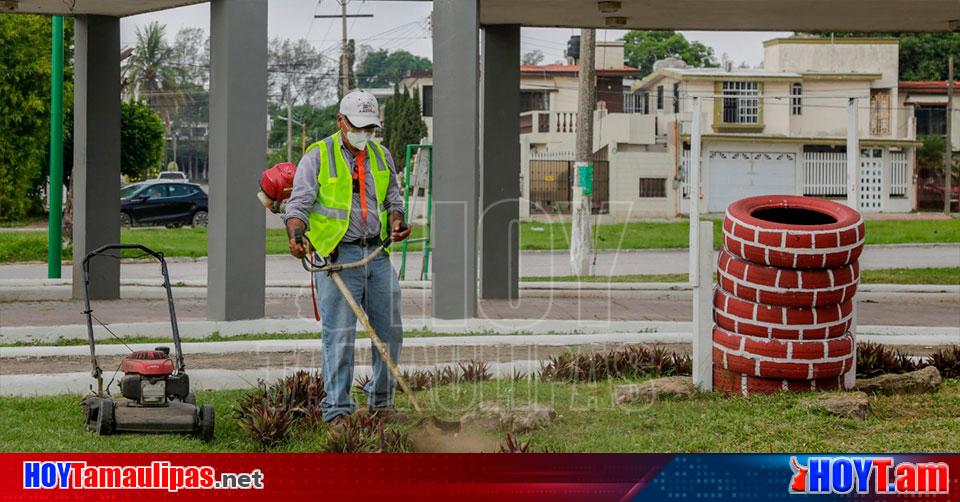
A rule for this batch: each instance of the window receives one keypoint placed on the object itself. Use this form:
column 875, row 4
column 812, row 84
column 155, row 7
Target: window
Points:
column 653, row 187
column 156, row 192
column 638, row 102
column 676, row 97
column 741, row 103
column 796, row 101
column 128, row 191
column 427, row 101
column 180, row 190
column 659, row 97
column 534, row 101
column 879, row 112
column 931, row 119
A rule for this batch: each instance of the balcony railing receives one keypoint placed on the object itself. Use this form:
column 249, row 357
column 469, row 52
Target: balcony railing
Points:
column 548, row 122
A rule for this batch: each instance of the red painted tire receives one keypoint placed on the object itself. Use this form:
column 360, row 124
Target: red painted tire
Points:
column 790, row 231
column 788, row 287
column 745, row 385
column 786, row 323
column 772, row 358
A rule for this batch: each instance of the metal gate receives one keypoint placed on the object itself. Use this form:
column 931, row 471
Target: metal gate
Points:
column 551, row 175
column 871, row 179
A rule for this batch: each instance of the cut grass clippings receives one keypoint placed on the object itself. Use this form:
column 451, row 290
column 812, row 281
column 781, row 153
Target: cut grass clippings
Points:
column 587, row 421
column 534, row 235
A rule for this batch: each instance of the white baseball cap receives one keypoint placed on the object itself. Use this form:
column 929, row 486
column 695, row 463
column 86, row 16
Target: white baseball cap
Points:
column 361, row 109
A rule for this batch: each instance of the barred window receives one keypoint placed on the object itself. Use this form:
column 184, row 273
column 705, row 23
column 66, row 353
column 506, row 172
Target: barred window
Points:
column 659, row 97
column 653, row 187
column 676, row 97
column 796, row 101
column 741, row 102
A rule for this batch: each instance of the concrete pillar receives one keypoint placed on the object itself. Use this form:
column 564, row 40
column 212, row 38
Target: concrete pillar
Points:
column 238, row 145
column 456, row 173
column 500, row 157
column 96, row 152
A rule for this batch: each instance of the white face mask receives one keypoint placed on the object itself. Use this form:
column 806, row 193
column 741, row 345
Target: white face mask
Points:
column 359, row 138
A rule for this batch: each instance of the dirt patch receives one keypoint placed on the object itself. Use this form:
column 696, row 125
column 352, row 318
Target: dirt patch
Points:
column 428, row 438
column 420, row 356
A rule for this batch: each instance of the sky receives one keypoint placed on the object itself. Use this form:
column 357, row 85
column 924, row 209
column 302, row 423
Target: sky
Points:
column 404, row 25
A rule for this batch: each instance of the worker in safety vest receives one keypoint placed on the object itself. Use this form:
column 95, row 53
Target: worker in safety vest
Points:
column 347, row 199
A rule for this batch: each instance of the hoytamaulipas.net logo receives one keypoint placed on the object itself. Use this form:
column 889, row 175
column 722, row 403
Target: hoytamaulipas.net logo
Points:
column 159, row 475
column 868, row 475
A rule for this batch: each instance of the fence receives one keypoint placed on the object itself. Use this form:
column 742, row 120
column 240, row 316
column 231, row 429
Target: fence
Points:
column 898, row 174
column 825, row 173
column 551, row 174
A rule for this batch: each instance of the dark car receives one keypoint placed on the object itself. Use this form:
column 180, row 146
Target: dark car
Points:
column 163, row 203
column 931, row 186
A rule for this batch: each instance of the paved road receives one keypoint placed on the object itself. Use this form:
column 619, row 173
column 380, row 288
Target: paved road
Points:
column 532, row 263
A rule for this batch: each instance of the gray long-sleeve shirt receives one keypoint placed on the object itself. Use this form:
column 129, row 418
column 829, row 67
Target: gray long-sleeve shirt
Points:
column 305, row 187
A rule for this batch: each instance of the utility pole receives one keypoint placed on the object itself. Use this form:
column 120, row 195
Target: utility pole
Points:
column 583, row 176
column 289, row 129
column 343, row 86
column 948, row 155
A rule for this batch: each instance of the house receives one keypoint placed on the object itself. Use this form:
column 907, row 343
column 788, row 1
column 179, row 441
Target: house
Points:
column 929, row 102
column 782, row 128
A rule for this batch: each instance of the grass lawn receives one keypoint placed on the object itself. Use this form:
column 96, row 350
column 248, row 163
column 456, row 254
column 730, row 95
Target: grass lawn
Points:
column 587, row 421
column 946, row 275
column 192, row 242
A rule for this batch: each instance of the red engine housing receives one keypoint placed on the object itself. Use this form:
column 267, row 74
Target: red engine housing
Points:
column 147, row 363
column 277, row 182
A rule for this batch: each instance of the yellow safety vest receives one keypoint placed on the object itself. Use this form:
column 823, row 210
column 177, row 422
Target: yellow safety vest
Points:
column 330, row 215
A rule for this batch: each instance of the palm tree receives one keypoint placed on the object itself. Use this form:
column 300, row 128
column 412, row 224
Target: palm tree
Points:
column 152, row 74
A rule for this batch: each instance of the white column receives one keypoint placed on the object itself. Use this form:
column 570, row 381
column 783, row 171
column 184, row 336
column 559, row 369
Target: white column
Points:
column 703, row 309
column 853, row 155
column 693, row 172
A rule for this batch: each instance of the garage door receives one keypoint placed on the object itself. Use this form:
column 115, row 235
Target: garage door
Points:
column 735, row 175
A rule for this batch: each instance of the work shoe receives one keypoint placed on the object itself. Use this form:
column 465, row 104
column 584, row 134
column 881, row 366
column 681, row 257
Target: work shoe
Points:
column 389, row 415
column 339, row 424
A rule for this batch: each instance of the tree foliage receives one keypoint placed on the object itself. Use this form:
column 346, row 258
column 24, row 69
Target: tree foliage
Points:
column 320, row 121
column 923, row 56
column 402, row 122
column 25, row 110
column 297, row 72
column 141, row 139
column 533, row 57
column 643, row 48
column 382, row 68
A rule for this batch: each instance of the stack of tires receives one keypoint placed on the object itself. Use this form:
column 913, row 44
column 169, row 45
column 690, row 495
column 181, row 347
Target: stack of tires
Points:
column 783, row 306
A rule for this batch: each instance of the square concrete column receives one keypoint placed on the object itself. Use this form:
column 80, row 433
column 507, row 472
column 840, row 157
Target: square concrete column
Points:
column 500, row 158
column 456, row 110
column 238, row 144
column 96, row 152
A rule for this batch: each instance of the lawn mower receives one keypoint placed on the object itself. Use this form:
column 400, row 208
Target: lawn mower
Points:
column 155, row 386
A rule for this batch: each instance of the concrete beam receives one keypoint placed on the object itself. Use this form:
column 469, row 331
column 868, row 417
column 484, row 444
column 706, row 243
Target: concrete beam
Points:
column 500, row 196
column 456, row 138
column 96, row 152
column 238, row 145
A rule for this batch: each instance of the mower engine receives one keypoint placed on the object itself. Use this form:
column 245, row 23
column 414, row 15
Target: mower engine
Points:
column 148, row 378
column 276, row 185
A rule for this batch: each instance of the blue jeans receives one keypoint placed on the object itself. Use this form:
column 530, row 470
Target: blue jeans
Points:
column 376, row 288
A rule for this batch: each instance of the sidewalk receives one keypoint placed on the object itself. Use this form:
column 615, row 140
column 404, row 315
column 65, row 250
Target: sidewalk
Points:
column 282, row 268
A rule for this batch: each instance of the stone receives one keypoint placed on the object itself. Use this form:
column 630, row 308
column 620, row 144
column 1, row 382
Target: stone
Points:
column 916, row 382
column 492, row 416
column 652, row 390
column 854, row 405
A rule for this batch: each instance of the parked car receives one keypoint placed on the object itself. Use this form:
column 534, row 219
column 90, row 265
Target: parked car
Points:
column 930, row 189
column 158, row 202
column 173, row 176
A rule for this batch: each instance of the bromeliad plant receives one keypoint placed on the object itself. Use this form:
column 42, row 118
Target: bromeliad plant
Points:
column 629, row 362
column 874, row 359
column 270, row 413
column 364, row 433
column 947, row 361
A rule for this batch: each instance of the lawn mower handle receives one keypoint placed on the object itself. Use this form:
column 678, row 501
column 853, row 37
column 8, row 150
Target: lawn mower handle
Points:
column 85, row 266
column 324, row 266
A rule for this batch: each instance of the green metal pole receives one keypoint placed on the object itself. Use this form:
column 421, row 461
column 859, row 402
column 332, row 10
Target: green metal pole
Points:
column 426, row 231
column 406, row 204
column 55, row 222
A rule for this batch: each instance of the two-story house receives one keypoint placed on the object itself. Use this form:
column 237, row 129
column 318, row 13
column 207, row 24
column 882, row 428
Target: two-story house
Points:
column 782, row 128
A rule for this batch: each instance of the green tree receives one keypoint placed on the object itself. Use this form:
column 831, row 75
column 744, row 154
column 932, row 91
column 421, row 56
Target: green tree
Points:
column 923, row 56
column 321, row 122
column 151, row 72
column 141, row 139
column 643, row 48
column 25, row 110
column 402, row 122
column 383, row 68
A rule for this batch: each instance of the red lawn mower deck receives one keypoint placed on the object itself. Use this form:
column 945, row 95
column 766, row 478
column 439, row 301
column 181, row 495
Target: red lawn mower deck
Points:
column 155, row 388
